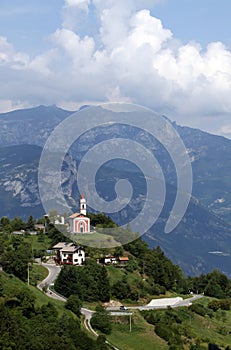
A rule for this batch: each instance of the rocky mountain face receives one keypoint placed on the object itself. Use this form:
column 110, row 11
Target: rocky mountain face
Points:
column 201, row 242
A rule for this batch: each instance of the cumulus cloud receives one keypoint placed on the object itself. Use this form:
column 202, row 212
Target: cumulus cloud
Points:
column 131, row 57
column 8, row 55
column 82, row 4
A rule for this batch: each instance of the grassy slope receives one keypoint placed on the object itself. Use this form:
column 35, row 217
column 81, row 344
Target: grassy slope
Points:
column 12, row 284
column 210, row 330
column 37, row 273
column 142, row 336
column 36, row 244
column 215, row 330
column 96, row 240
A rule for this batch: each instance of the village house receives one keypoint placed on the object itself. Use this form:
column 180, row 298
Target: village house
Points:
column 79, row 222
column 40, row 227
column 115, row 261
column 69, row 254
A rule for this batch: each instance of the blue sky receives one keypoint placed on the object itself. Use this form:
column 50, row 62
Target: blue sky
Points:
column 173, row 56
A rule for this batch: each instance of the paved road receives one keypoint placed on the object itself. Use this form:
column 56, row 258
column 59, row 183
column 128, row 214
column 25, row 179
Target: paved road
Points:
column 54, row 270
column 185, row 302
column 49, row 280
column 53, row 273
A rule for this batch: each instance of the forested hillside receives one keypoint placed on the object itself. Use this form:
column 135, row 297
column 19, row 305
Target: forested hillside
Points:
column 31, row 321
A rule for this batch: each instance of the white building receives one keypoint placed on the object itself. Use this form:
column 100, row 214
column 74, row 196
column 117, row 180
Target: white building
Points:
column 69, row 254
column 79, row 222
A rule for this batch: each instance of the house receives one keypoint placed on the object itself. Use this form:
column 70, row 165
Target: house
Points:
column 115, row 261
column 59, row 220
column 18, row 233
column 40, row 227
column 109, row 260
column 79, row 222
column 123, row 261
column 69, row 254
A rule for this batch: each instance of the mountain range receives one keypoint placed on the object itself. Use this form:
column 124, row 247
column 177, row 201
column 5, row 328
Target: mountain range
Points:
column 201, row 242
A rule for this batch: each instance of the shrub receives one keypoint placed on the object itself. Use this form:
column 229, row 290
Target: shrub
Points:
column 74, row 304
column 101, row 320
column 198, row 309
column 163, row 332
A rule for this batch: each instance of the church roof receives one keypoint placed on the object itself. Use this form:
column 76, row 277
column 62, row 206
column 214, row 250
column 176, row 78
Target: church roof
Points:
column 82, row 196
column 77, row 215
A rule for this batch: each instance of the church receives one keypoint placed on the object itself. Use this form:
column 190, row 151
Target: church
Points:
column 79, row 222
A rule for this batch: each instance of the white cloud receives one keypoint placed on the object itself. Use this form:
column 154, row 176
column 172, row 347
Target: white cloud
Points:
column 79, row 50
column 17, row 60
column 83, row 4
column 9, row 56
column 8, row 105
column 132, row 57
column 148, row 30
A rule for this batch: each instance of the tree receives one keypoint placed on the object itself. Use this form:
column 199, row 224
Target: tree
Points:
column 214, row 305
column 30, row 223
column 121, row 289
column 17, row 224
column 101, row 320
column 101, row 342
column 214, row 290
column 27, row 302
column 74, row 304
column 118, row 251
column 16, row 258
column 105, row 290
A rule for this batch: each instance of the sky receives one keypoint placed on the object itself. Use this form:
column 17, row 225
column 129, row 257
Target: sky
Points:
column 173, row 56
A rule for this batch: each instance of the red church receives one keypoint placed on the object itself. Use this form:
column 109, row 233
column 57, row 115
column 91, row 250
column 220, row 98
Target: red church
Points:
column 79, row 222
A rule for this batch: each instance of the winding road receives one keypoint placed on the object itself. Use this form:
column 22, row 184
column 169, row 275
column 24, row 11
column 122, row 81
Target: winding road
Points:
column 54, row 270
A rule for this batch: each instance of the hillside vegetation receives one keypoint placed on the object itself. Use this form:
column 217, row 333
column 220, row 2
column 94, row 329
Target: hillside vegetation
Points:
column 148, row 274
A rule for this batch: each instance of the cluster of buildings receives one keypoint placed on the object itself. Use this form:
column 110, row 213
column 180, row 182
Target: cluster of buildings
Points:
column 72, row 254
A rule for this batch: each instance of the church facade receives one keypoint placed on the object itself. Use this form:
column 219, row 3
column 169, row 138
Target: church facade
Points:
column 79, row 222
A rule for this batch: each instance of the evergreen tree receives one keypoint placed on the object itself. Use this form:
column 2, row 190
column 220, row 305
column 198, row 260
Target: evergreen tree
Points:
column 30, row 225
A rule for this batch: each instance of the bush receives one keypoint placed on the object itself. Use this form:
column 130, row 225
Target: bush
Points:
column 74, row 304
column 163, row 332
column 198, row 309
column 223, row 304
column 101, row 320
column 214, row 305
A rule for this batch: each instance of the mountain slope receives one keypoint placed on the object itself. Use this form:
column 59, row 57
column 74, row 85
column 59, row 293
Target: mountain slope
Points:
column 18, row 181
column 189, row 245
column 199, row 243
column 29, row 126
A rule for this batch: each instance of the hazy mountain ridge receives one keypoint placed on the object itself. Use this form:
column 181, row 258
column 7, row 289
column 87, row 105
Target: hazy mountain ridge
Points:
column 189, row 245
column 29, row 126
column 202, row 240
column 209, row 154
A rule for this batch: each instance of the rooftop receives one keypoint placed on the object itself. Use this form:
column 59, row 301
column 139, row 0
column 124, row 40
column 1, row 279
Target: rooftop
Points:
column 76, row 215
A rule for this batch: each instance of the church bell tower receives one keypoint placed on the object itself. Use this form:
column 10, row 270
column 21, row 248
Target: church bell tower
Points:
column 83, row 205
